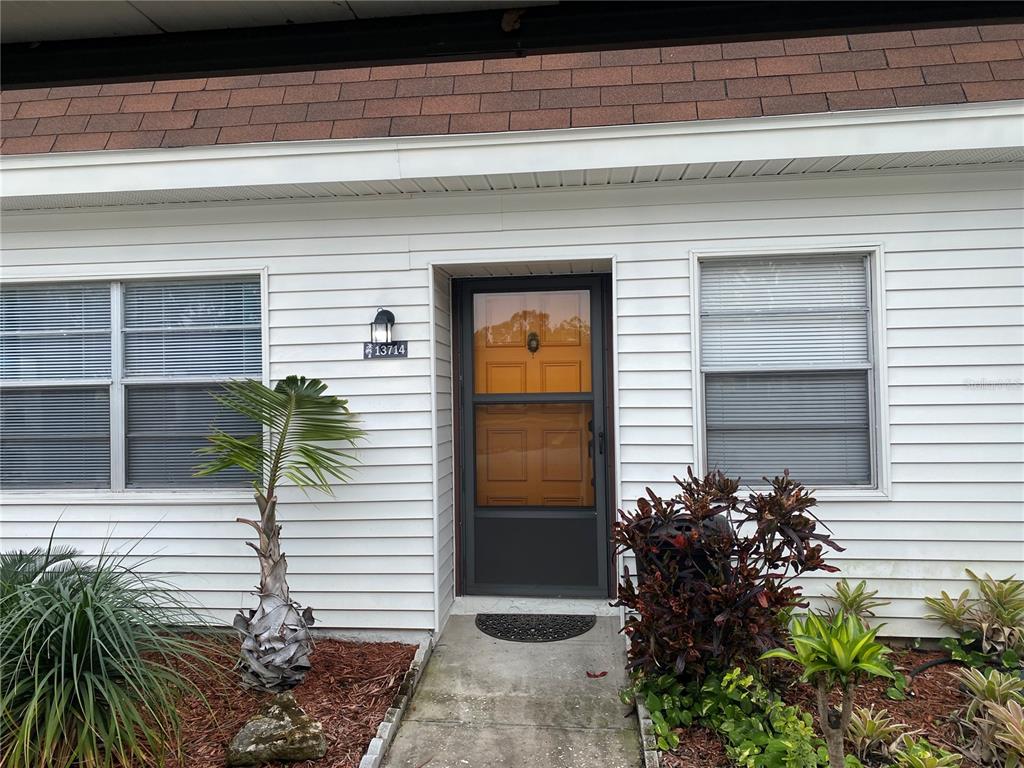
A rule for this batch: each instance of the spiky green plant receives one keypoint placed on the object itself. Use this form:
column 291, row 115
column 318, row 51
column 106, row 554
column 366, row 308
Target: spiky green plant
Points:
column 989, row 625
column 90, row 662
column 305, row 428
column 837, row 650
column 989, row 692
column 989, row 687
column 1009, row 732
column 871, row 732
column 948, row 610
column 920, row 753
column 22, row 567
column 855, row 600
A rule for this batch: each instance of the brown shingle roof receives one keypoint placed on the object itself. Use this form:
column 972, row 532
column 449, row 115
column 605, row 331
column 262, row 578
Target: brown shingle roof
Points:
column 770, row 77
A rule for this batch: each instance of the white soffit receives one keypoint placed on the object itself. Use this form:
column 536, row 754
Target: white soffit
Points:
column 834, row 143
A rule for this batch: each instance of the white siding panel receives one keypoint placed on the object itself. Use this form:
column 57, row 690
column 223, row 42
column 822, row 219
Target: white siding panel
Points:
column 444, row 508
column 381, row 553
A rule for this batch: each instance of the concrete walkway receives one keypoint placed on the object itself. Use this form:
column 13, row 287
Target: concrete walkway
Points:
column 487, row 703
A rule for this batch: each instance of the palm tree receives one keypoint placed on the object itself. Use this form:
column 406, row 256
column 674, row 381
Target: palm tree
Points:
column 300, row 420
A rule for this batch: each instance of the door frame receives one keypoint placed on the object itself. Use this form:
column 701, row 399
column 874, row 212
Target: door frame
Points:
column 463, row 290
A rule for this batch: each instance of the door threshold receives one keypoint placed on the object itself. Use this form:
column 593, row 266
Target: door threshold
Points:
column 473, row 604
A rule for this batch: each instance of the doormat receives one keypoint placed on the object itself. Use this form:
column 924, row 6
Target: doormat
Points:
column 533, row 627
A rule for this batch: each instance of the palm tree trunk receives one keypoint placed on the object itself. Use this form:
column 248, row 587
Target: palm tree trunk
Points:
column 833, row 723
column 276, row 642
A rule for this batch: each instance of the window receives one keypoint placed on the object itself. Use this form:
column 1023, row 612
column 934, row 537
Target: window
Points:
column 96, row 371
column 785, row 353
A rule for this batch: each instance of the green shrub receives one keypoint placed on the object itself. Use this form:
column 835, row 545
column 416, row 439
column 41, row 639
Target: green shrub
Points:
column 834, row 651
column 88, row 663
column 669, row 704
column 758, row 728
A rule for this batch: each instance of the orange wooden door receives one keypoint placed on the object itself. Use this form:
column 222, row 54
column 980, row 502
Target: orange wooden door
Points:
column 533, row 454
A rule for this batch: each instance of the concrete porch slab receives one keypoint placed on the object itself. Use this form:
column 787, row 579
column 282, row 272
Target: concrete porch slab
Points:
column 488, row 703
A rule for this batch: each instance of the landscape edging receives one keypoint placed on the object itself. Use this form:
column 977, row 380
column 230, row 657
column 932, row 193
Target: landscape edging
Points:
column 648, row 740
column 379, row 744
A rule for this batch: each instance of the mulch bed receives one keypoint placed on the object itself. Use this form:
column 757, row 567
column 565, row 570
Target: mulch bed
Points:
column 933, row 696
column 349, row 690
column 698, row 748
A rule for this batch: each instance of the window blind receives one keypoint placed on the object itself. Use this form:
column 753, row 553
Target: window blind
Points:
column 785, row 353
column 178, row 341
column 813, row 424
column 193, row 328
column 55, row 331
column 166, row 424
column 784, row 313
column 55, row 437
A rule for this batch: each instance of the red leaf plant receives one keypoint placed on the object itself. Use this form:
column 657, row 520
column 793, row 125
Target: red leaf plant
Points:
column 714, row 583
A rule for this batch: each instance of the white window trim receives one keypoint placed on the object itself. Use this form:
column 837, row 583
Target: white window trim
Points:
column 881, row 489
column 117, row 493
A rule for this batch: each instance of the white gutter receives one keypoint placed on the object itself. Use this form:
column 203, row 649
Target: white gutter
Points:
column 913, row 129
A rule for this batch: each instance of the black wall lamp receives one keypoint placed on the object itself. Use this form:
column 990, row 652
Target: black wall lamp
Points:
column 380, row 328
column 381, row 343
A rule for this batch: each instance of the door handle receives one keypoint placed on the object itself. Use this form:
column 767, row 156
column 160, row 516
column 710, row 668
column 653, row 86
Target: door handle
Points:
column 600, row 442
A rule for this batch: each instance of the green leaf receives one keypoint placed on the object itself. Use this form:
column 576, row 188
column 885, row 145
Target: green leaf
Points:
column 305, row 426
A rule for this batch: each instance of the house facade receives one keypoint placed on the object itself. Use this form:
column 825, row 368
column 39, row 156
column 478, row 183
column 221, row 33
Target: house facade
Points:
column 604, row 267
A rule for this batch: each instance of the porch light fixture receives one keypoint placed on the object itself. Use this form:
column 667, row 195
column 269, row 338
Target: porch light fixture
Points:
column 380, row 328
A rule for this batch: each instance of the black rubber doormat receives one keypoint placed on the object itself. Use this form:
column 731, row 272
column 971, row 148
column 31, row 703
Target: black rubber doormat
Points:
column 533, row 627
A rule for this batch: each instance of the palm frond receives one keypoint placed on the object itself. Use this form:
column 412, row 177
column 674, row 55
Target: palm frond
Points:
column 25, row 566
column 305, row 425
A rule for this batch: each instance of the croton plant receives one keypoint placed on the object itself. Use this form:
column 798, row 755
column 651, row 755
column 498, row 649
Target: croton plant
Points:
column 715, row 573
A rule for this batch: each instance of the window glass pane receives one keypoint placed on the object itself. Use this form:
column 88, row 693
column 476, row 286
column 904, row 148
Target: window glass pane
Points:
column 537, row 341
column 536, row 455
column 193, row 328
column 784, row 313
column 783, row 283
column 813, row 424
column 166, row 425
column 55, row 331
column 55, row 438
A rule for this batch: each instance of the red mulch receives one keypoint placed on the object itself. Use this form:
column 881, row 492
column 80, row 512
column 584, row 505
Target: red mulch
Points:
column 349, row 690
column 932, row 697
column 698, row 748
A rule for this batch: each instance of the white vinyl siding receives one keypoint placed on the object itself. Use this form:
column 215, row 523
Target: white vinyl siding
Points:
column 952, row 289
column 445, row 469
column 786, row 367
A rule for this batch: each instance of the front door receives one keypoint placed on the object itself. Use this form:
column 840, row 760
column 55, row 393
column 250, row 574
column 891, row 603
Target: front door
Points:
column 534, row 442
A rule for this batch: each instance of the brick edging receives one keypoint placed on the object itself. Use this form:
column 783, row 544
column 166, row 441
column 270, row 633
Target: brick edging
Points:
column 914, row 67
column 379, row 745
column 648, row 739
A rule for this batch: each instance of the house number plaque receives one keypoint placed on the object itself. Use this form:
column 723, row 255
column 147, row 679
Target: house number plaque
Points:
column 372, row 351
